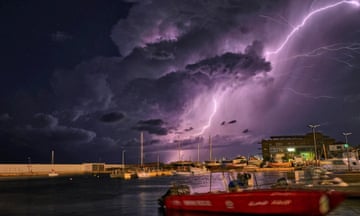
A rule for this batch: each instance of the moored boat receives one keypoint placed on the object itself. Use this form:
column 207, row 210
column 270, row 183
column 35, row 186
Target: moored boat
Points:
column 243, row 196
column 255, row 201
column 148, row 173
column 52, row 173
column 348, row 176
column 319, row 179
column 121, row 173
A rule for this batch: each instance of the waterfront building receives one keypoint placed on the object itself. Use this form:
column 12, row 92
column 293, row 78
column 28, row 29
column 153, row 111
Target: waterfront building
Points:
column 289, row 147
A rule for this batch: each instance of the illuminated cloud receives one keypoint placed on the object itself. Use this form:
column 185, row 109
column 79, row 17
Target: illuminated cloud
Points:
column 184, row 67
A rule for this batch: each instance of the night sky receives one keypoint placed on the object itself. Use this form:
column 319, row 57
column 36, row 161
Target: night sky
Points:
column 85, row 77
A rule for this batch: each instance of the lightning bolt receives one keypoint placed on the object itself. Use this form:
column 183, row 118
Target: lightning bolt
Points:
column 347, row 50
column 306, row 18
column 308, row 95
column 215, row 107
column 295, row 29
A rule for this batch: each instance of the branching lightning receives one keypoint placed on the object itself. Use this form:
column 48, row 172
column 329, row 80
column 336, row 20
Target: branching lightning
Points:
column 319, row 51
column 308, row 95
column 347, row 48
column 215, row 107
column 353, row 47
column 306, row 18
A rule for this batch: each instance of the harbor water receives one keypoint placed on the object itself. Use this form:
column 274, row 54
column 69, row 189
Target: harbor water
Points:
column 101, row 195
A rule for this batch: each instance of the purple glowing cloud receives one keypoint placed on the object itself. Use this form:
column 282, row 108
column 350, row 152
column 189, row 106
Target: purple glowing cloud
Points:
column 186, row 67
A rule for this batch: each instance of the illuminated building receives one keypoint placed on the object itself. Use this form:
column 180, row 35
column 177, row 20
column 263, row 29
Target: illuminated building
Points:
column 299, row 145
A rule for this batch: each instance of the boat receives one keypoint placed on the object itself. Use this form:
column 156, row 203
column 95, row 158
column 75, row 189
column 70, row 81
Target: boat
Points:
column 256, row 201
column 189, row 168
column 241, row 199
column 212, row 164
column 341, row 164
column 143, row 172
column 240, row 161
column 254, row 161
column 147, row 172
column 279, row 164
column 122, row 172
column 320, row 179
column 52, row 173
column 347, row 176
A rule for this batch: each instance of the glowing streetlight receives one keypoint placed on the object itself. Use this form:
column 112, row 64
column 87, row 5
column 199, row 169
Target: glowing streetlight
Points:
column 346, row 134
column 313, row 130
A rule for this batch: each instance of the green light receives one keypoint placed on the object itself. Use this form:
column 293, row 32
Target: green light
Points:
column 346, row 145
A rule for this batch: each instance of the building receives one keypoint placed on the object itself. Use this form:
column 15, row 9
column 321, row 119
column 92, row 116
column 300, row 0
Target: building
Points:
column 287, row 147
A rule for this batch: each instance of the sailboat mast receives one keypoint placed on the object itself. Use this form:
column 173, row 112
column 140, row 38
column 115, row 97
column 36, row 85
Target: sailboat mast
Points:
column 158, row 162
column 198, row 153
column 141, row 149
column 52, row 157
column 179, row 150
column 210, row 144
column 123, row 159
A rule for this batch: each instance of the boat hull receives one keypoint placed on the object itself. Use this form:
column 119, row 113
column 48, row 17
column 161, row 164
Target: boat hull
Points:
column 258, row 202
column 53, row 174
column 123, row 175
column 155, row 173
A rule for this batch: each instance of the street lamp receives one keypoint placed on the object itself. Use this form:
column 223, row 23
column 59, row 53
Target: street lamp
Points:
column 313, row 130
column 346, row 134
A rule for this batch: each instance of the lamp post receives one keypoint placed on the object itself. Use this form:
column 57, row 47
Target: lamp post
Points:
column 346, row 134
column 313, row 130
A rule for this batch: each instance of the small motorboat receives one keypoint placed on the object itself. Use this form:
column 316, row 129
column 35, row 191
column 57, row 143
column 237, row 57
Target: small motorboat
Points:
column 53, row 173
column 319, row 179
column 270, row 201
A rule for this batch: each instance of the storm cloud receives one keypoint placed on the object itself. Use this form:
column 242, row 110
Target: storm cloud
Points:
column 184, row 67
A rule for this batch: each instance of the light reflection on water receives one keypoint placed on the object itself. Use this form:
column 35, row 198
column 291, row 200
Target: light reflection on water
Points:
column 105, row 196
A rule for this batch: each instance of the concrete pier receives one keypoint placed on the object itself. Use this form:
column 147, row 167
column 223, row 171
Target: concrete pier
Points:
column 38, row 170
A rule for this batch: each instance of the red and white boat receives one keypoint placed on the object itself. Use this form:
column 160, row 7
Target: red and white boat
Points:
column 251, row 202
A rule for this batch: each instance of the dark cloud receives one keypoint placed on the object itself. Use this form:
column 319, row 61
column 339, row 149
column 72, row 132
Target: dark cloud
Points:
column 173, row 20
column 232, row 65
column 44, row 121
column 5, row 117
column 154, row 122
column 83, row 90
column 232, row 122
column 57, row 135
column 169, row 94
column 164, row 50
column 44, row 130
column 60, row 36
column 155, row 141
column 189, row 129
column 112, row 117
column 152, row 126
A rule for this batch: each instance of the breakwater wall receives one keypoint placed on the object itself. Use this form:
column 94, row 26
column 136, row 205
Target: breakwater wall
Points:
column 44, row 169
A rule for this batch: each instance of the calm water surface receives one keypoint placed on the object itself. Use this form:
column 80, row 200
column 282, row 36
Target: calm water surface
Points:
column 104, row 196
